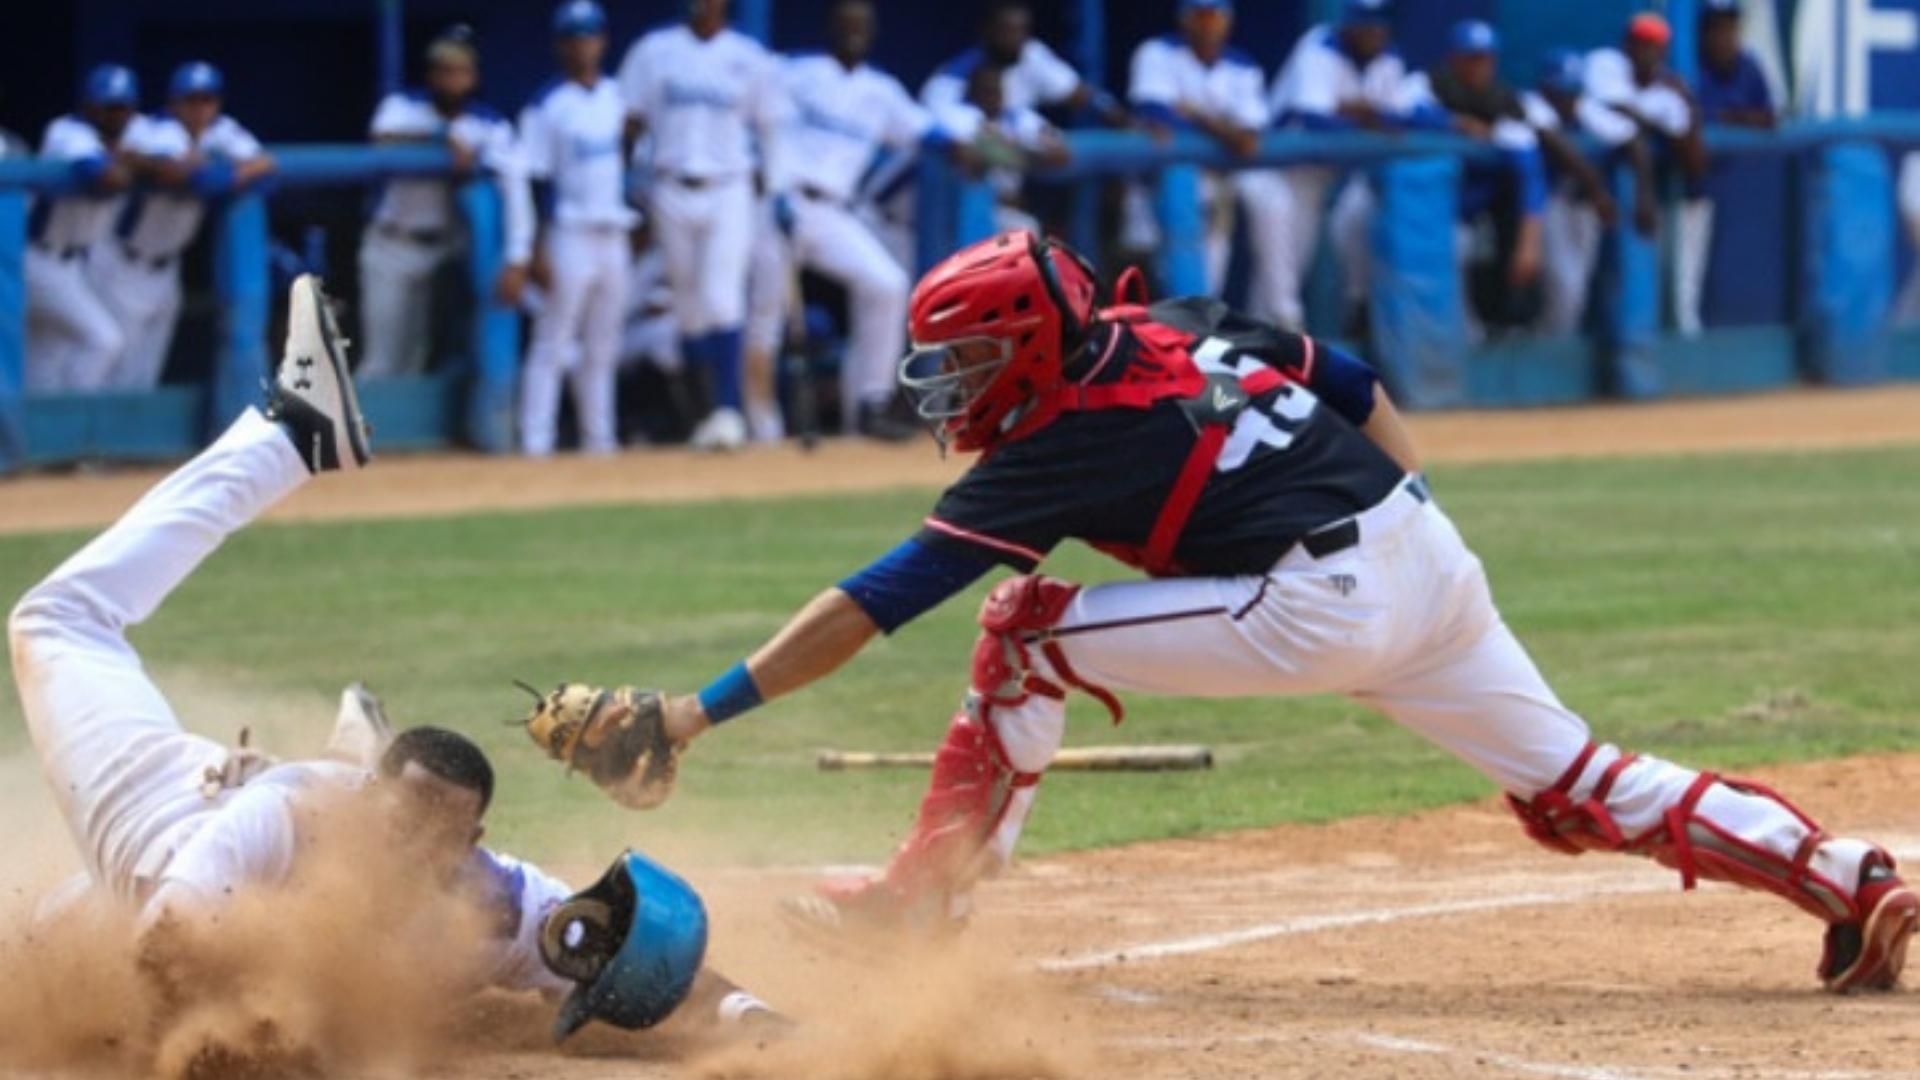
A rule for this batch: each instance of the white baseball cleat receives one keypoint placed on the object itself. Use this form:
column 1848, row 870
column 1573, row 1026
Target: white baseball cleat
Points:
column 313, row 390
column 723, row 429
column 361, row 731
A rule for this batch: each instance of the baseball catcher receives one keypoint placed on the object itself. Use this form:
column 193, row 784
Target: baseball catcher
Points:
column 176, row 827
column 1266, row 484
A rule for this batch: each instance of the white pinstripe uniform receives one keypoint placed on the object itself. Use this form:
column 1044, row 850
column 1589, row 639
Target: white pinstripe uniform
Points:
column 415, row 228
column 130, row 782
column 841, row 118
column 73, row 340
column 1570, row 230
column 1316, row 80
column 1166, row 74
column 571, row 135
column 703, row 101
column 137, row 268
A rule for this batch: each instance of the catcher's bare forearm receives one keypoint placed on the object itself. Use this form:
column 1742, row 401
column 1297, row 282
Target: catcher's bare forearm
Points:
column 820, row 637
column 1389, row 432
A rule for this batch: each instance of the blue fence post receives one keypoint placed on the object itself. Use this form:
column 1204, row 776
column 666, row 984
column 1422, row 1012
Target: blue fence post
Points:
column 935, row 214
column 496, row 327
column 754, row 18
column 1181, row 264
column 974, row 206
column 1417, row 307
column 1847, row 277
column 1628, row 295
column 240, row 285
column 13, row 329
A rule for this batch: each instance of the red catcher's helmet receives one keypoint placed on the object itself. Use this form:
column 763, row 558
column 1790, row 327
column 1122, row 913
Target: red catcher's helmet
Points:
column 993, row 327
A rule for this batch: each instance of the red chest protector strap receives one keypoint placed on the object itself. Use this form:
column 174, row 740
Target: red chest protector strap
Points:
column 1216, row 419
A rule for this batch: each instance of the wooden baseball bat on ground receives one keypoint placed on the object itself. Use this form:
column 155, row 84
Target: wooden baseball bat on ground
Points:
column 1075, row 759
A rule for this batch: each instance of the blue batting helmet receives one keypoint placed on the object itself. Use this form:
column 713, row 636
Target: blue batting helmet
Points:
column 1562, row 71
column 579, row 18
column 111, row 84
column 1473, row 36
column 196, row 77
column 632, row 944
column 1366, row 12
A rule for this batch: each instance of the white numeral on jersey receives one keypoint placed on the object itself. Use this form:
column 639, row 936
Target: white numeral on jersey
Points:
column 1272, row 424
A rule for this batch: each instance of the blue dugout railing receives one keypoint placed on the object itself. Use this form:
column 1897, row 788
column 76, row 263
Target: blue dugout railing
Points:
column 1845, row 270
column 473, row 405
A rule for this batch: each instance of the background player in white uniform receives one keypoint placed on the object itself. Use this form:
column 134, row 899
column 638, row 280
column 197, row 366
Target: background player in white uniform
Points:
column 1193, row 78
column 1634, row 81
column 137, row 267
column 572, row 136
column 415, row 229
column 1339, row 77
column 1577, row 212
column 1907, row 308
column 843, row 112
column 1031, row 74
column 700, row 91
column 73, row 340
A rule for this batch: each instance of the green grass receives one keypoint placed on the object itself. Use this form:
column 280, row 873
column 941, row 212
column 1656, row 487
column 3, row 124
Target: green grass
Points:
column 1722, row 610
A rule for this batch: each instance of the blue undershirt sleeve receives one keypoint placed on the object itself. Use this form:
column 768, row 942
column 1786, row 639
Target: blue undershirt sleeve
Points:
column 1343, row 381
column 910, row 580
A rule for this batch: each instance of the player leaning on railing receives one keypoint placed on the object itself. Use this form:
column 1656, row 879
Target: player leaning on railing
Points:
column 1266, row 483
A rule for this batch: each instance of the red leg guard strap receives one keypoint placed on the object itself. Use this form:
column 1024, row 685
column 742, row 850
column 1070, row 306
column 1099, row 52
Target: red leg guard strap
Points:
column 1021, row 612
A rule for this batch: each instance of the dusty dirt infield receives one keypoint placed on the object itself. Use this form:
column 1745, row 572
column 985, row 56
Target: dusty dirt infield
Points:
column 416, row 484
column 1436, row 946
column 1439, row 945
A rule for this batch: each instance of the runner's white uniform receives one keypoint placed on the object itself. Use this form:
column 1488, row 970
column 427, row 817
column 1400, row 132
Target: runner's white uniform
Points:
column 127, row 778
column 1039, row 77
column 1316, row 80
column 73, row 340
column 702, row 102
column 571, row 135
column 1166, row 76
column 136, row 268
column 415, row 228
column 1570, row 231
column 840, row 119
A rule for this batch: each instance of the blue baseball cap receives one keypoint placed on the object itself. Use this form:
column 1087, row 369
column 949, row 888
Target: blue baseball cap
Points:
column 1225, row 7
column 1473, row 37
column 1366, row 12
column 111, row 84
column 1562, row 71
column 579, row 18
column 196, row 77
column 1719, row 9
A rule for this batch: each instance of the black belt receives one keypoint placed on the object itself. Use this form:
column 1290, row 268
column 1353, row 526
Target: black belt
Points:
column 693, row 183
column 423, row 237
column 151, row 262
column 63, row 254
column 1337, row 538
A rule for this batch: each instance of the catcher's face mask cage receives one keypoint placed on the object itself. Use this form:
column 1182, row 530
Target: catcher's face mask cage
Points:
column 943, row 380
column 632, row 944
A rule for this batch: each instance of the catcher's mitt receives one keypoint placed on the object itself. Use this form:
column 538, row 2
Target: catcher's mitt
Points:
column 617, row 737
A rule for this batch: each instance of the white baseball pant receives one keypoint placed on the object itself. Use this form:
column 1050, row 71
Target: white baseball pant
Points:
column 1403, row 622
column 126, row 776
column 73, row 340
column 577, row 336
column 145, row 302
column 706, row 235
column 1291, row 203
column 831, row 240
column 1906, row 309
column 396, row 302
column 1570, row 235
column 1692, row 253
column 1349, row 227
